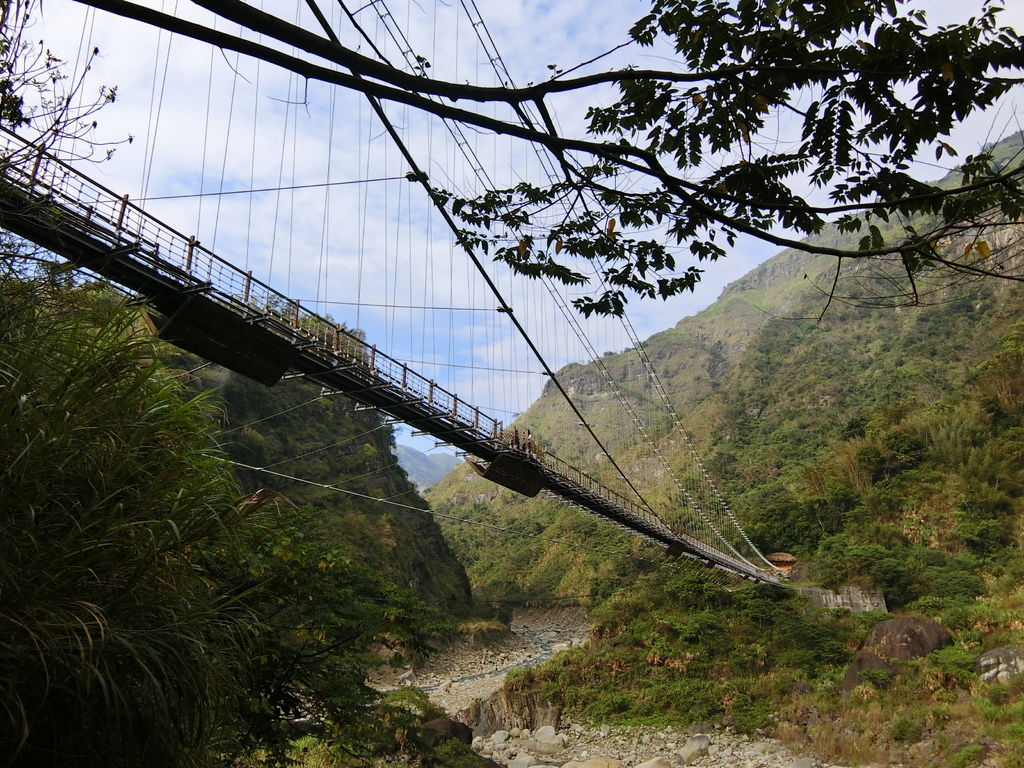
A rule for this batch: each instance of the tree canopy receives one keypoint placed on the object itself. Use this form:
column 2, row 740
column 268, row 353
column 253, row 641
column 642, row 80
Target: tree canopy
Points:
column 773, row 119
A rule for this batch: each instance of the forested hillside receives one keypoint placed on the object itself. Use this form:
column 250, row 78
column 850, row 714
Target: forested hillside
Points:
column 294, row 432
column 882, row 446
column 919, row 497
column 157, row 608
column 775, row 394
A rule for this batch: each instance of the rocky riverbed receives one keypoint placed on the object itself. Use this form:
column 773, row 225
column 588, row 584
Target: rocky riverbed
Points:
column 579, row 746
column 463, row 671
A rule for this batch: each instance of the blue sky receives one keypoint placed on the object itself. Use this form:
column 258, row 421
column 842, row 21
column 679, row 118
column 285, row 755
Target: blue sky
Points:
column 206, row 121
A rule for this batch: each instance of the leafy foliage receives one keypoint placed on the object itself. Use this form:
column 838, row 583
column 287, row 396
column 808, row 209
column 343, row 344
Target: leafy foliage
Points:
column 318, row 613
column 760, row 100
column 295, row 432
column 677, row 648
column 115, row 644
column 859, row 88
column 151, row 612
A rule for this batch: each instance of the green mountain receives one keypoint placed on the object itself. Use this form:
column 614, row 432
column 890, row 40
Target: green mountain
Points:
column 424, row 469
column 292, row 432
column 882, row 446
column 769, row 381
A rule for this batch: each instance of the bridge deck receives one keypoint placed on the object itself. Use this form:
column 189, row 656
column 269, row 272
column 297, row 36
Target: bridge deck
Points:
column 206, row 305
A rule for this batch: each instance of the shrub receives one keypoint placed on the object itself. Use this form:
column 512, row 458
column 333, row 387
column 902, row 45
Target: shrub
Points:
column 968, row 756
column 906, row 728
column 878, row 678
column 116, row 649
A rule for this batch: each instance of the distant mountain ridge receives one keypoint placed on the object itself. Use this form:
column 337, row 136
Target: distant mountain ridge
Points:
column 424, row 469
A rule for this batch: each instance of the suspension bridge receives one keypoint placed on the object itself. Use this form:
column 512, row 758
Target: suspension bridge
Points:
column 199, row 300
column 207, row 306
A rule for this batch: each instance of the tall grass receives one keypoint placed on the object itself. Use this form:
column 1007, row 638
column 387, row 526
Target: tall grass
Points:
column 115, row 646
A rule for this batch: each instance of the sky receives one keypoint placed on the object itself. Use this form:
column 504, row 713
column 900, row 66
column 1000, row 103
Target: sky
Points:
column 203, row 121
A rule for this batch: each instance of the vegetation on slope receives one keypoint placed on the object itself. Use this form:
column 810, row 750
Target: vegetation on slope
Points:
column 114, row 642
column 293, row 430
column 884, row 448
column 765, row 385
column 678, row 648
column 153, row 613
column 922, row 501
column 762, row 406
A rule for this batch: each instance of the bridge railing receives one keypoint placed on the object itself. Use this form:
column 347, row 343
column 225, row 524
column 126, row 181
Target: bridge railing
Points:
column 120, row 223
column 54, row 189
column 594, row 486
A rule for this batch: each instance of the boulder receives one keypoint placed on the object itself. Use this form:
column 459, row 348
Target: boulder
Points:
column 907, row 638
column 602, row 762
column 499, row 737
column 694, row 748
column 1000, row 664
column 658, row 762
column 863, row 660
column 505, row 710
column 545, row 732
column 438, row 731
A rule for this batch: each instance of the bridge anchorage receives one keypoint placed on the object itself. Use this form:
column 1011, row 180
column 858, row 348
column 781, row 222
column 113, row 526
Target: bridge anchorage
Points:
column 205, row 305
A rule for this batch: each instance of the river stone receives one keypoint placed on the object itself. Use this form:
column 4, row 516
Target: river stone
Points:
column 602, row 762
column 520, row 761
column 546, row 746
column 658, row 762
column 694, row 748
column 907, row 638
column 499, row 737
column 544, row 732
column 1000, row 664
